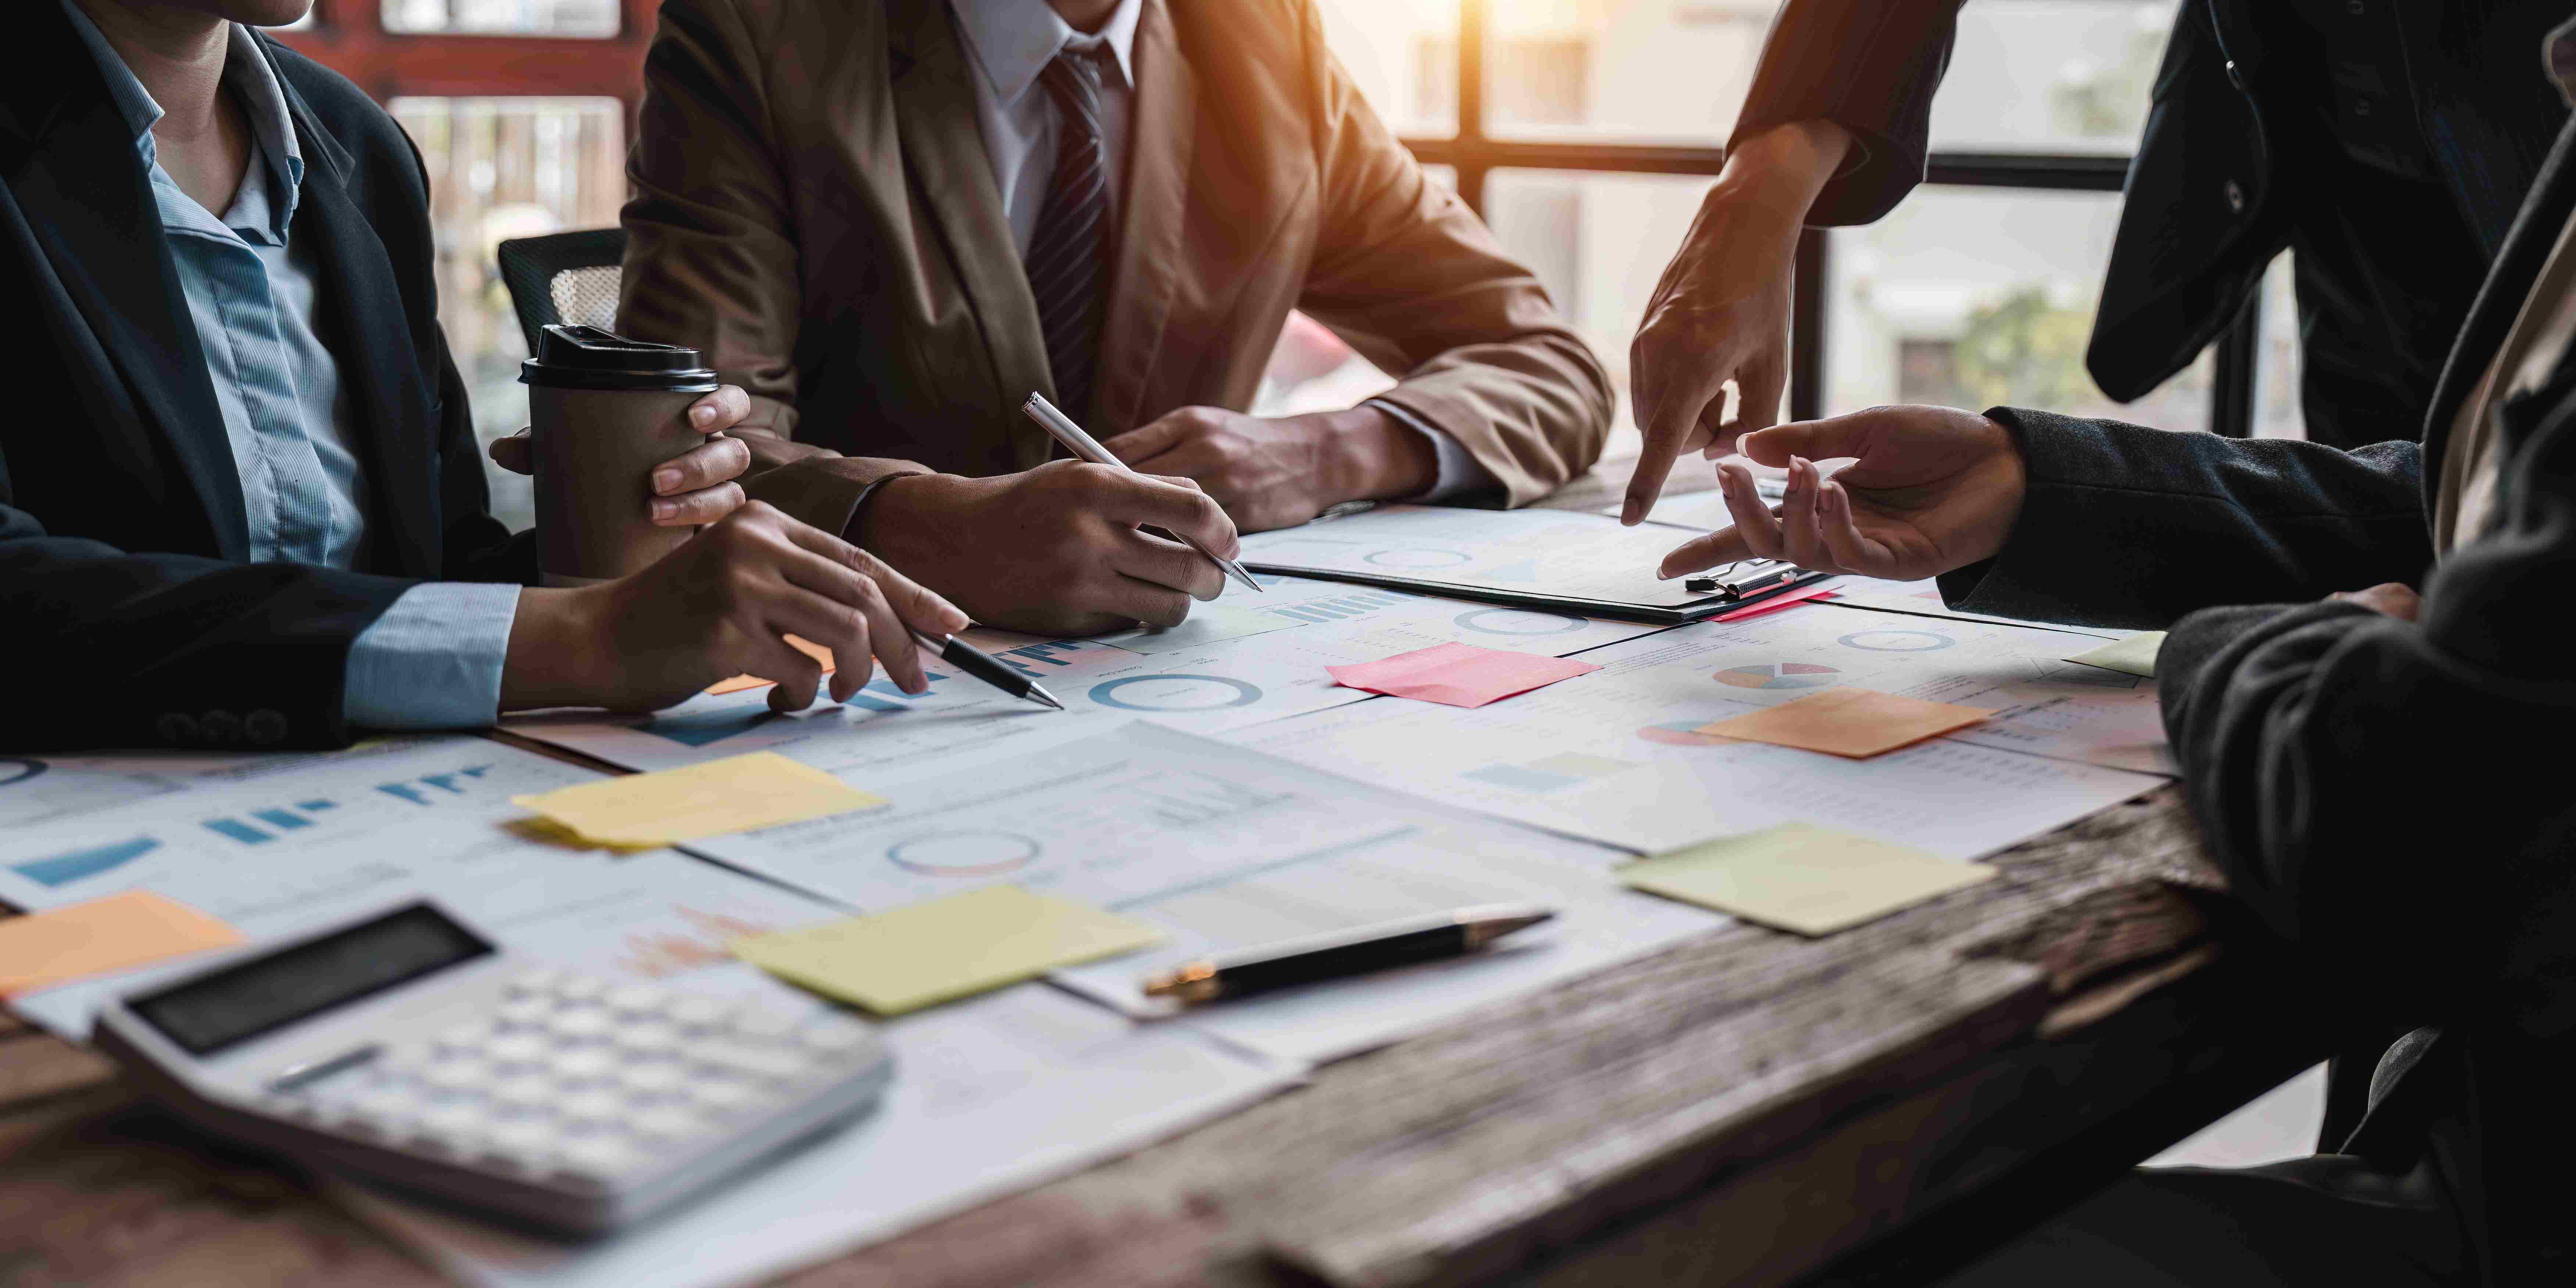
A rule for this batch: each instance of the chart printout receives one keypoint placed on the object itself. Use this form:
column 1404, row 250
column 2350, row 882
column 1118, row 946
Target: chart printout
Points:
column 1224, row 849
column 1616, row 755
column 1241, row 660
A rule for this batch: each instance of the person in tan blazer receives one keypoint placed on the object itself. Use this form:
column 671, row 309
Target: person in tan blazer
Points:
column 846, row 205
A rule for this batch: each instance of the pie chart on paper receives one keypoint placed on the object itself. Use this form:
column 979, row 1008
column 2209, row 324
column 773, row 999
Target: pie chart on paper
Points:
column 1777, row 675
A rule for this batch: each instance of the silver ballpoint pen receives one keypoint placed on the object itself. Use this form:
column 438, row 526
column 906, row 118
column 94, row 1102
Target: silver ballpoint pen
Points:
column 1061, row 428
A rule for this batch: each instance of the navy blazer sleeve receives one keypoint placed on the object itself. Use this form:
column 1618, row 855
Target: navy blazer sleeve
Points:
column 2133, row 527
column 1869, row 66
column 2393, row 797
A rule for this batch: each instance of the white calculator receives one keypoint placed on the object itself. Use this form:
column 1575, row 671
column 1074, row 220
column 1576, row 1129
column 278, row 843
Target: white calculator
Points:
column 407, row 1049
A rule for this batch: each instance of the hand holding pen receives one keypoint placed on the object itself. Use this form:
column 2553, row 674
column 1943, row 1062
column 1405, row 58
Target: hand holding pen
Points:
column 1061, row 428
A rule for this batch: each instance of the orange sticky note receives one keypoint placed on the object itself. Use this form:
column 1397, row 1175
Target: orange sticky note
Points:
column 1858, row 723
column 1459, row 675
column 802, row 645
column 136, row 928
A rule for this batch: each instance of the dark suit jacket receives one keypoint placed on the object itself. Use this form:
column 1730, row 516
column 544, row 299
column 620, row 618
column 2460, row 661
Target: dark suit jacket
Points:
column 2234, row 166
column 130, row 616
column 815, row 208
column 2391, row 800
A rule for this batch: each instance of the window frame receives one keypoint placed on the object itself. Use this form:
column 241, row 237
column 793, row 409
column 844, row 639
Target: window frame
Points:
column 350, row 36
column 1473, row 155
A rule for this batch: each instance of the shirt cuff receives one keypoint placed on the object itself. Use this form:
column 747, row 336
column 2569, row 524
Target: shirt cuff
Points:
column 1458, row 474
column 433, row 660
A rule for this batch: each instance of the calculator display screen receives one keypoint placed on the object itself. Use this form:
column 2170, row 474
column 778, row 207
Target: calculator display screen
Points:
column 206, row 1015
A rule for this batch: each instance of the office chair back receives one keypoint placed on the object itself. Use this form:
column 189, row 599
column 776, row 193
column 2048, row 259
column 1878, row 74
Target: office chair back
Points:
column 563, row 277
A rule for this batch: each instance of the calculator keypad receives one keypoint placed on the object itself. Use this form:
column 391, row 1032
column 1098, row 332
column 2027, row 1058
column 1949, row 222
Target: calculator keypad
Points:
column 572, row 1077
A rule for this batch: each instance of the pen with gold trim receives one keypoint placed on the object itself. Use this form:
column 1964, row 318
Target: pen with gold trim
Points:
column 1343, row 953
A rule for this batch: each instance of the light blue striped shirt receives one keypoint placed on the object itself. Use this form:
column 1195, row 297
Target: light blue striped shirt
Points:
column 433, row 660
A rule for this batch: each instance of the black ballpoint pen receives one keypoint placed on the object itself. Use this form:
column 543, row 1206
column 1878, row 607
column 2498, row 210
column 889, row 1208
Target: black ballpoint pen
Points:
column 1342, row 953
column 983, row 666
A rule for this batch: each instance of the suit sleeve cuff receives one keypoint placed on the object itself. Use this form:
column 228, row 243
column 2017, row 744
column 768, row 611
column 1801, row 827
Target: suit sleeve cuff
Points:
column 433, row 660
column 1458, row 474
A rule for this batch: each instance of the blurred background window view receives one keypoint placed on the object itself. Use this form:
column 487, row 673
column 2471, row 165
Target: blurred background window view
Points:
column 1972, row 293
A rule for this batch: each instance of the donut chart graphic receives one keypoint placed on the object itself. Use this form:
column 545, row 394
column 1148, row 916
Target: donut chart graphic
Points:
column 964, row 854
column 1682, row 733
column 1174, row 693
column 1896, row 641
column 1777, row 675
column 1517, row 621
column 1417, row 557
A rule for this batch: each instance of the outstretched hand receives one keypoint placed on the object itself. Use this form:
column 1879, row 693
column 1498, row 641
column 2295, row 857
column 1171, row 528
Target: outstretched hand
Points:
column 1719, row 316
column 1930, row 489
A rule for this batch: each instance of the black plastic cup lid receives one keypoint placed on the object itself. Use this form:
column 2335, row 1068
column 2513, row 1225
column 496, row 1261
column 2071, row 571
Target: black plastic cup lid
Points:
column 587, row 357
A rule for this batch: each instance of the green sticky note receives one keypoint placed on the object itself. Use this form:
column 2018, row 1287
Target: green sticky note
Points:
column 1800, row 877
column 928, row 953
column 2135, row 655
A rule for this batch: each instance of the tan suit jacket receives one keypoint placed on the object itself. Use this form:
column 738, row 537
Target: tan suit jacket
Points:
column 816, row 208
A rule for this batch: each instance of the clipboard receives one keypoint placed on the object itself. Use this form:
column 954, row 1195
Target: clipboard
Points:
column 1773, row 584
column 1560, row 561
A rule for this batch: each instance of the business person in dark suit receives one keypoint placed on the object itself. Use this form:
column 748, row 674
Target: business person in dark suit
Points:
column 2384, row 143
column 890, row 222
column 2381, row 776
column 240, row 505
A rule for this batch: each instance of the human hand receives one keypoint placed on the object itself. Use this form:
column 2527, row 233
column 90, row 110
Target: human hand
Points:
column 1055, row 550
column 718, row 606
column 1934, row 488
column 1280, row 473
column 1720, row 314
column 2388, row 598
column 689, row 490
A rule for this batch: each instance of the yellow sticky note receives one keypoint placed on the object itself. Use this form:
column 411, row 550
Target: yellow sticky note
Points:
column 2135, row 655
column 1858, row 723
column 736, row 794
column 1800, row 877
column 136, row 928
column 928, row 953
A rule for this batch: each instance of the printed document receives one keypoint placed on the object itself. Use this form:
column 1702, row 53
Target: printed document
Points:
column 1618, row 755
column 1239, row 661
column 1225, row 849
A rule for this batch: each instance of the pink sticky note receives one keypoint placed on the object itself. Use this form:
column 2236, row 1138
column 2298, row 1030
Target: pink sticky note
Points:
column 1460, row 675
column 1790, row 599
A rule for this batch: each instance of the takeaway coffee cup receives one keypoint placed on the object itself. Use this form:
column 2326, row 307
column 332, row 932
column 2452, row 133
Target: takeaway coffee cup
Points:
column 605, row 410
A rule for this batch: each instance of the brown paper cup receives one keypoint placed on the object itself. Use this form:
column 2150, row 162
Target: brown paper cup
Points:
column 596, row 450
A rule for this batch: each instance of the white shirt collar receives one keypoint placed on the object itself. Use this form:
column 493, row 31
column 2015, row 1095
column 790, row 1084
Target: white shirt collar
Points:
column 1013, row 40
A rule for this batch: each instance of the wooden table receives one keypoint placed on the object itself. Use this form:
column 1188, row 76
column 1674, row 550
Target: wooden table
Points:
column 1746, row 1108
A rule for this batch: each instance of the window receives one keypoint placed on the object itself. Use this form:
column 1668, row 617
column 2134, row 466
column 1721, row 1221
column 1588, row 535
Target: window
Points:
column 1595, row 125
column 1584, row 130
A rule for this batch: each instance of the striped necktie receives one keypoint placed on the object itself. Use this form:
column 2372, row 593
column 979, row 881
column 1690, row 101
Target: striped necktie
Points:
column 1067, row 257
